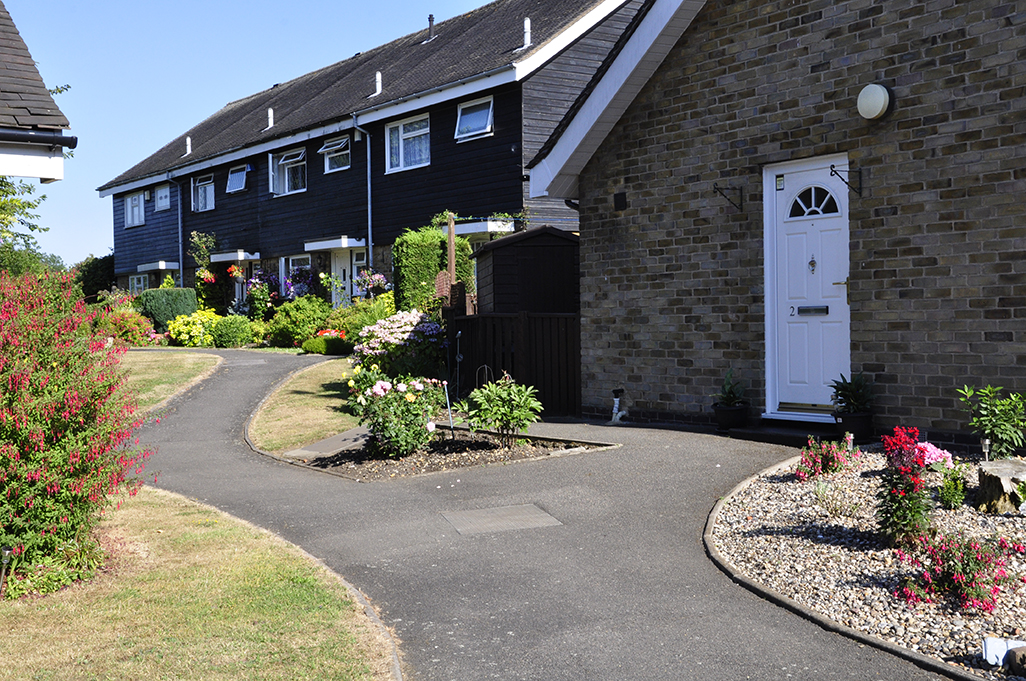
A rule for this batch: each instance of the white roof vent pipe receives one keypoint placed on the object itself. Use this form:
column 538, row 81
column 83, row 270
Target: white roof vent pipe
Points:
column 377, row 84
column 188, row 146
column 527, row 34
column 270, row 118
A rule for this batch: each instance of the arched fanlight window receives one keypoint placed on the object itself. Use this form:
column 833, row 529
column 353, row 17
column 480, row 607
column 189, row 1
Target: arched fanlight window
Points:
column 813, row 201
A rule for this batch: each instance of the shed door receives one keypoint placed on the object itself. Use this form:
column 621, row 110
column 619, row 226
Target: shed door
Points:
column 807, row 252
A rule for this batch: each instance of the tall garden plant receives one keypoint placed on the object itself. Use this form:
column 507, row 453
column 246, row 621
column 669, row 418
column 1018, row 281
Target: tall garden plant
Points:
column 66, row 419
column 418, row 256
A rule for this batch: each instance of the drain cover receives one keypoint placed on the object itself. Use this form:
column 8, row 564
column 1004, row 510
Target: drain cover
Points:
column 524, row 517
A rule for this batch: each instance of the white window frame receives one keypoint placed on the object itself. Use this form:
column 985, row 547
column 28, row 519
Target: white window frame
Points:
column 138, row 283
column 135, row 209
column 162, row 197
column 487, row 131
column 204, row 185
column 336, row 148
column 279, row 165
column 239, row 184
column 400, row 126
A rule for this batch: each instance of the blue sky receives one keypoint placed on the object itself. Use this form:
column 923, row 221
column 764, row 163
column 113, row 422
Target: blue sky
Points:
column 142, row 73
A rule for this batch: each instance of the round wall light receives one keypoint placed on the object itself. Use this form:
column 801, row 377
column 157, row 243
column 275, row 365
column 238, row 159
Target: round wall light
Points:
column 874, row 101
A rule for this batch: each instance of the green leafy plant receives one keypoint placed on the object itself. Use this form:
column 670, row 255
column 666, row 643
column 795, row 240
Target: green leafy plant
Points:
column 732, row 393
column 399, row 411
column 853, row 396
column 503, row 406
column 327, row 342
column 836, row 502
column 195, row 330
column 231, row 332
column 161, row 305
column 66, row 420
column 297, row 320
column 352, row 319
column 417, row 258
column 1000, row 420
column 904, row 508
column 168, row 282
column 952, row 490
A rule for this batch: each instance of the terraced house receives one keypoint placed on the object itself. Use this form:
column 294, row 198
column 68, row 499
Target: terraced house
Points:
column 326, row 170
column 797, row 190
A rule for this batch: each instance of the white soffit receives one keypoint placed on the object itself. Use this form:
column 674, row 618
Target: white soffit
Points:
column 32, row 160
column 556, row 175
column 337, row 242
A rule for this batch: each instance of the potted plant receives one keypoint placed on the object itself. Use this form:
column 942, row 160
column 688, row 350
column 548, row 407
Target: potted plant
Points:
column 730, row 408
column 853, row 400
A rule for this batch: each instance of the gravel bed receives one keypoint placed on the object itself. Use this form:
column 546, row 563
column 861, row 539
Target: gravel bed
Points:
column 817, row 543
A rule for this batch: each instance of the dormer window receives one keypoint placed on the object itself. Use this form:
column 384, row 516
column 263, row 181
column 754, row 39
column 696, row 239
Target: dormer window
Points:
column 474, row 120
column 336, row 154
column 288, row 172
column 236, row 179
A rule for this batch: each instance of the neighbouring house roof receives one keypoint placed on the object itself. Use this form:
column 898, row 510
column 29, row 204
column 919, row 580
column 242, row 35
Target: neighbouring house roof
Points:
column 25, row 102
column 554, row 171
column 477, row 50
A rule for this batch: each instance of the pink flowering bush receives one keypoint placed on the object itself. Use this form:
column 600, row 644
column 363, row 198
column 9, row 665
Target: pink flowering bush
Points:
column 66, row 420
column 823, row 458
column 405, row 343
column 969, row 571
column 399, row 412
column 904, row 448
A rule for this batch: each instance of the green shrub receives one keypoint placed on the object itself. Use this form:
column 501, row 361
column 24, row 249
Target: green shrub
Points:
column 126, row 325
column 407, row 343
column 195, row 330
column 398, row 412
column 353, row 318
column 66, row 423
column 1001, row 420
column 952, row 489
column 257, row 331
column 417, row 258
column 504, row 406
column 231, row 332
column 297, row 320
column 328, row 342
column 161, row 305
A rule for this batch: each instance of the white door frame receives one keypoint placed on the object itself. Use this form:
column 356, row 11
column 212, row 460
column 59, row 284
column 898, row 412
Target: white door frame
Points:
column 771, row 271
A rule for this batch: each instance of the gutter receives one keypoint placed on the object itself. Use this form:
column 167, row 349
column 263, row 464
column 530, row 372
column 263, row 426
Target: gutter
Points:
column 44, row 138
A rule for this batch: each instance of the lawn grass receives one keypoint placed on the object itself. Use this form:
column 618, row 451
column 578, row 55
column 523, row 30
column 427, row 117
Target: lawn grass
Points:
column 192, row 593
column 157, row 375
column 307, row 408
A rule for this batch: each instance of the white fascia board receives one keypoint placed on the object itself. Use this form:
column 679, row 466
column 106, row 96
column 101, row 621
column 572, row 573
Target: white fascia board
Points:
column 481, row 227
column 31, row 160
column 233, row 256
column 551, row 49
column 331, row 244
column 236, row 155
column 664, row 24
column 157, row 266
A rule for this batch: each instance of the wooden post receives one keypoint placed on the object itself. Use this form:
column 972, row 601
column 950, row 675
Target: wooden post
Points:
column 452, row 250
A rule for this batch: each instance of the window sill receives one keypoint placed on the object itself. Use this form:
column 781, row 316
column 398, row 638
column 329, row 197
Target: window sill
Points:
column 405, row 168
column 337, row 170
column 470, row 138
column 298, row 191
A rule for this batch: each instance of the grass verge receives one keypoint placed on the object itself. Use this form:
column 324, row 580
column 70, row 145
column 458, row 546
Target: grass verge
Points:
column 192, row 593
column 156, row 376
column 307, row 408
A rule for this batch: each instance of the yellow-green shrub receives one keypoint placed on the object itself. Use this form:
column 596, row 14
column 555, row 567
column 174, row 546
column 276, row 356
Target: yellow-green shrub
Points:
column 195, row 330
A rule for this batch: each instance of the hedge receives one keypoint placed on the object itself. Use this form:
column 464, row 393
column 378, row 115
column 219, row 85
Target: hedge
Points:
column 164, row 304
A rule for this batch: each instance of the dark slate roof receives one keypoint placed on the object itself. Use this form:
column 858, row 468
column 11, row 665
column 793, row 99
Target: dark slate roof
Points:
column 465, row 46
column 525, row 235
column 25, row 103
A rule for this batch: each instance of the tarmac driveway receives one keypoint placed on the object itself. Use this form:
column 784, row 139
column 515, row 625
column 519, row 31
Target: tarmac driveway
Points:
column 612, row 582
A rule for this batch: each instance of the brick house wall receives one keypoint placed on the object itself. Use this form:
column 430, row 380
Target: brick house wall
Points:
column 672, row 287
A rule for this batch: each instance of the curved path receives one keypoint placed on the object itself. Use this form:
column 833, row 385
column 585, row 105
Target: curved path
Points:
column 621, row 588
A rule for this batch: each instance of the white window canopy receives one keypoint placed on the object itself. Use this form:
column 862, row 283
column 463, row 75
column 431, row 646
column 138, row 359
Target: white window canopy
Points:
column 337, row 242
column 158, row 266
column 234, row 256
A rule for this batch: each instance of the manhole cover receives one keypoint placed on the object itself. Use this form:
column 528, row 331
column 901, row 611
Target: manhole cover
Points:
column 524, row 517
column 244, row 362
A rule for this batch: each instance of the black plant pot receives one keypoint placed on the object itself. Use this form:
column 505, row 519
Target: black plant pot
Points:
column 859, row 425
column 730, row 417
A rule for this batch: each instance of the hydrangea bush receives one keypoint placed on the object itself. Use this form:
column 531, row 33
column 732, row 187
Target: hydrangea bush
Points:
column 408, row 343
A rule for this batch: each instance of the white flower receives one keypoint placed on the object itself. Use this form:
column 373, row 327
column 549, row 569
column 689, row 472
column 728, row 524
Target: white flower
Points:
column 430, row 427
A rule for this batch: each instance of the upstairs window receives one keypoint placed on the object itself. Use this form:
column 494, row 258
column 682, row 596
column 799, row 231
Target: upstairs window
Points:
column 288, row 172
column 474, row 120
column 135, row 210
column 202, row 193
column 162, row 197
column 408, row 144
column 336, row 154
column 236, row 179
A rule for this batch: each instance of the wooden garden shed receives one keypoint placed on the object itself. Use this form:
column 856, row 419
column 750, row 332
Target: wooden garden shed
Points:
column 536, row 270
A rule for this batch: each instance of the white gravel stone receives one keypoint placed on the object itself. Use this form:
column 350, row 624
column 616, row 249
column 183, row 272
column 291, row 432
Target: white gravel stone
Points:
column 817, row 542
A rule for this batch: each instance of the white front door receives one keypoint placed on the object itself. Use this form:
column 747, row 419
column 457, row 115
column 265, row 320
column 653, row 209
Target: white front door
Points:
column 345, row 264
column 808, row 337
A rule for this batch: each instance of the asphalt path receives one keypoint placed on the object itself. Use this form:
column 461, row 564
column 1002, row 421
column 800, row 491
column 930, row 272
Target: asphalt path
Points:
column 621, row 588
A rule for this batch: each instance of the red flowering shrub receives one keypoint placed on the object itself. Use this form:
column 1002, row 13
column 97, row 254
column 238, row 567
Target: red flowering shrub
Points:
column 126, row 325
column 903, row 511
column 66, row 418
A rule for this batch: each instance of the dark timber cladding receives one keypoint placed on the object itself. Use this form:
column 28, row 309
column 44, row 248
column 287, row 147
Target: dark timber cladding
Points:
column 475, row 178
column 155, row 240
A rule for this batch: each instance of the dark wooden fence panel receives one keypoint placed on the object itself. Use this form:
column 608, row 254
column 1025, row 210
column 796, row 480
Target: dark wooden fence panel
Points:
column 543, row 350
